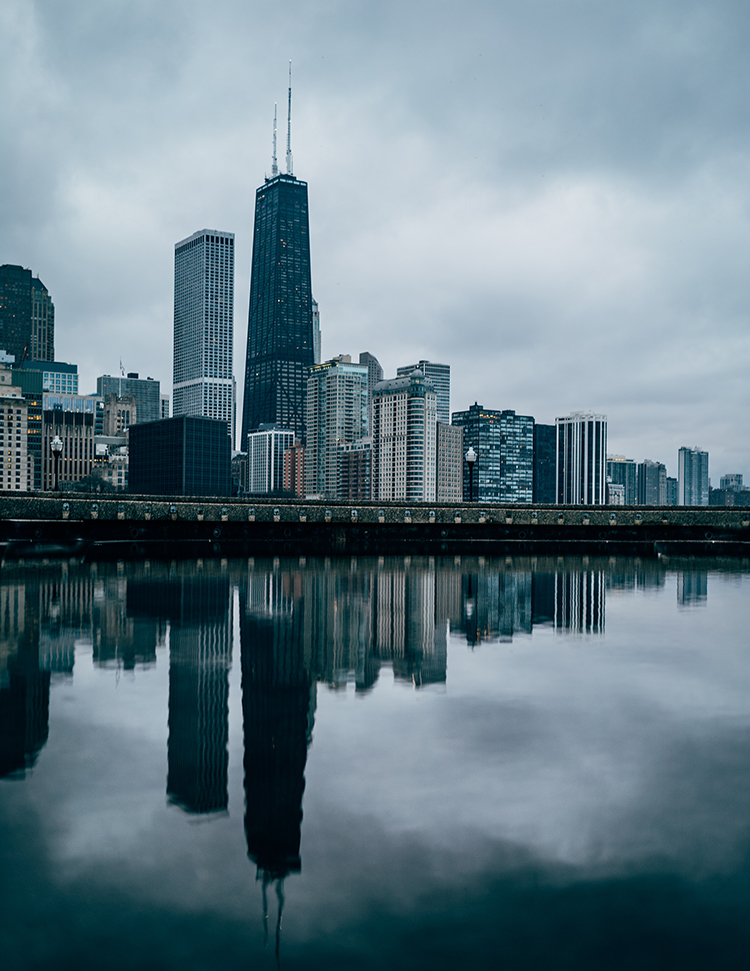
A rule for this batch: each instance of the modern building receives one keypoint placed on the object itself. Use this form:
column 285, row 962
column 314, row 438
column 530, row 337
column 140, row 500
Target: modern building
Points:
column 544, row 490
column 30, row 383
column 42, row 323
column 355, row 470
column 183, row 456
column 581, row 459
column 281, row 346
column 374, row 376
column 692, row 477
column 57, row 376
column 15, row 311
column 672, row 491
column 440, row 376
column 164, row 406
column 336, row 413
column 652, row 483
column 504, row 444
column 623, row 472
column 732, row 482
column 203, row 376
column 294, row 470
column 16, row 464
column 146, row 391
column 403, row 439
column 450, row 463
column 265, row 459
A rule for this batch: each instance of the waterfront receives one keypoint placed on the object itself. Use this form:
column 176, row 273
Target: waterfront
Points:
column 518, row 762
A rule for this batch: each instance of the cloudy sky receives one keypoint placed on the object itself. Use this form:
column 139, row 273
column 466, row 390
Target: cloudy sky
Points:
column 550, row 195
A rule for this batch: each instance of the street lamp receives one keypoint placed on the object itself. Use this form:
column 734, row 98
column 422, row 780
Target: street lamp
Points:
column 471, row 457
column 57, row 446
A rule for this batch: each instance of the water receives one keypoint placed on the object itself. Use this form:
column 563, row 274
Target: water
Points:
column 528, row 763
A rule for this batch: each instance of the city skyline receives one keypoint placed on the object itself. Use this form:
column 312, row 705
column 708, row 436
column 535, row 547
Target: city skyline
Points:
column 601, row 237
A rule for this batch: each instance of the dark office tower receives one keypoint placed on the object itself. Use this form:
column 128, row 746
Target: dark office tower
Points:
column 278, row 704
column 280, row 340
column 504, row 443
column 15, row 310
column 623, row 472
column 42, row 323
column 544, row 463
column 652, row 484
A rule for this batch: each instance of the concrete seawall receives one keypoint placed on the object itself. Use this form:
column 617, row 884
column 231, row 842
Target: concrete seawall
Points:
column 124, row 526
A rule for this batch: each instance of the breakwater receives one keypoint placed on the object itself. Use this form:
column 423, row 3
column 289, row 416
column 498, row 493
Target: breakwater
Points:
column 124, row 526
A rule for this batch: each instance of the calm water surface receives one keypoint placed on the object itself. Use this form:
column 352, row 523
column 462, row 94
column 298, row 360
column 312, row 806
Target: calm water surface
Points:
column 409, row 763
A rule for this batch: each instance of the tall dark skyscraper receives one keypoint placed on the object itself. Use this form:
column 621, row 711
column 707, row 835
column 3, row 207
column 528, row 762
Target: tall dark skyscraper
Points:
column 280, row 344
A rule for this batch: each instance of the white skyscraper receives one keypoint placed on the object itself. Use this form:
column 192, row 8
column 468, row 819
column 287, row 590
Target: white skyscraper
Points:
column 692, row 477
column 581, row 459
column 204, row 327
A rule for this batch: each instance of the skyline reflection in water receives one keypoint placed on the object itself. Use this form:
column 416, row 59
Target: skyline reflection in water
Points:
column 335, row 623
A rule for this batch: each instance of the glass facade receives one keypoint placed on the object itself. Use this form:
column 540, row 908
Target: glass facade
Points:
column 622, row 471
column 504, row 443
column 146, row 392
column 440, row 376
column 280, row 342
column 692, row 477
column 544, row 463
column 185, row 456
column 15, row 310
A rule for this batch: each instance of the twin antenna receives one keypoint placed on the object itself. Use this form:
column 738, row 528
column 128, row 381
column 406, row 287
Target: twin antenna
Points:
column 274, row 160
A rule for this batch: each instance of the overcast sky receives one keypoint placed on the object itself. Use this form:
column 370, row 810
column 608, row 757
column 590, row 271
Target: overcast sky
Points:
column 552, row 197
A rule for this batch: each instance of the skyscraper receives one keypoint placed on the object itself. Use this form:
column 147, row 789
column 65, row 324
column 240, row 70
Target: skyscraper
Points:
column 623, row 471
column 280, row 341
column 15, row 310
column 440, row 376
column 204, row 327
column 404, row 429
column 504, row 443
column 146, row 391
column 581, row 459
column 652, row 483
column 544, row 463
column 42, row 323
column 692, row 477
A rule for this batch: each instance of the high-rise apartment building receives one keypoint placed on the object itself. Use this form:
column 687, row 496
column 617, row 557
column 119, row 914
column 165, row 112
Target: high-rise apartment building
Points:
column 732, row 482
column 440, row 376
column 16, row 464
column 652, row 483
column 544, row 463
column 504, row 444
column 355, row 470
column 336, row 413
column 374, row 376
column 265, row 458
column 404, row 430
column 280, row 341
column 692, row 477
column 146, row 391
column 42, row 323
column 623, row 472
column 203, row 379
column 581, row 459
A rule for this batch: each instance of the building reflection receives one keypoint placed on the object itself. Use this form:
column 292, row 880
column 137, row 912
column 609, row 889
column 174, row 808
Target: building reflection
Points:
column 195, row 601
column 692, row 587
column 24, row 683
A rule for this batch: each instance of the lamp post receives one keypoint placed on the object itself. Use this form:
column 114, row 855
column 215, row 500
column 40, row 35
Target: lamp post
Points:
column 57, row 446
column 471, row 457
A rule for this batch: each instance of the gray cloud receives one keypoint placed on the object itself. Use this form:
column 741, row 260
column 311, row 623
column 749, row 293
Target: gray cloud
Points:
column 551, row 197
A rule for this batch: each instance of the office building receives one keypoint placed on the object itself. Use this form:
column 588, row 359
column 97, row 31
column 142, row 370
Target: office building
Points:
column 265, row 459
column 544, row 489
column 336, row 413
column 403, row 439
column 652, row 483
column 732, row 482
column 42, row 323
column 203, row 377
column 146, row 391
column 504, row 444
column 355, row 470
column 581, row 459
column 672, row 491
column 440, row 376
column 164, row 406
column 450, row 463
column 374, row 376
column 623, row 472
column 30, row 383
column 15, row 311
column 76, row 430
column 16, row 464
column 183, row 456
column 294, row 471
column 57, row 376
column 692, row 477
column 281, row 346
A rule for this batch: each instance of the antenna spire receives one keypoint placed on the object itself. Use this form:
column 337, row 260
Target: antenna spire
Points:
column 274, row 161
column 289, row 126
